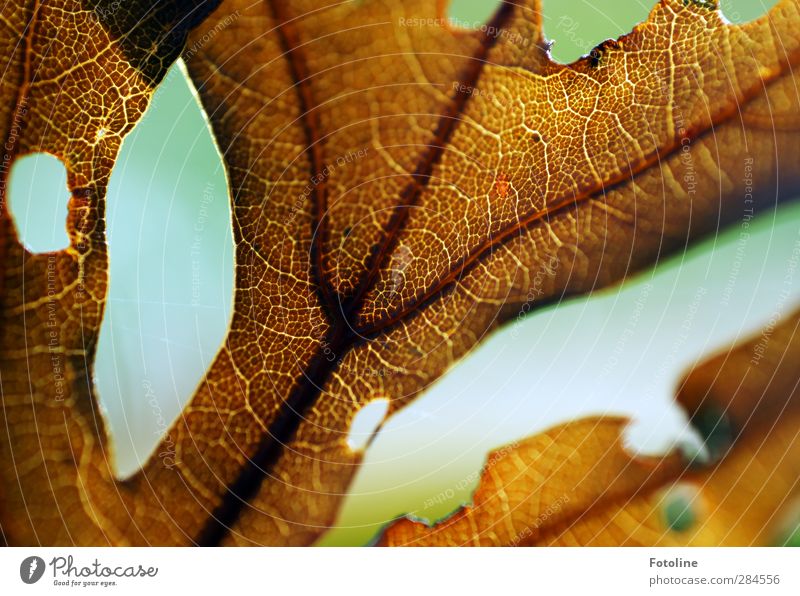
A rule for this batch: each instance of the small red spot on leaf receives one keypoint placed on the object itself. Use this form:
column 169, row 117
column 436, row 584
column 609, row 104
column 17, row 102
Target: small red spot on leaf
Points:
column 502, row 186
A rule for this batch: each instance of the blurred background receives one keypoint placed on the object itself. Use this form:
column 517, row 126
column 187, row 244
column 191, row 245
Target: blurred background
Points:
column 620, row 351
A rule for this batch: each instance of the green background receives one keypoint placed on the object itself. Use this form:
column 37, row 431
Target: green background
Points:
column 171, row 283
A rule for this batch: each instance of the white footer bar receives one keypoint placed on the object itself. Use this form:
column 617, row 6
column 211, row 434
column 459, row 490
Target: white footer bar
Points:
column 370, row 571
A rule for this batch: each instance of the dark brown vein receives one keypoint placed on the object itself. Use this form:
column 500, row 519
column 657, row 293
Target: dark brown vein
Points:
column 309, row 120
column 411, row 194
column 342, row 338
column 564, row 203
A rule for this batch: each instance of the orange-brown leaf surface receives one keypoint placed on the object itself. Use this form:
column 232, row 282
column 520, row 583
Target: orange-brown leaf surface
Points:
column 577, row 484
column 76, row 76
column 399, row 189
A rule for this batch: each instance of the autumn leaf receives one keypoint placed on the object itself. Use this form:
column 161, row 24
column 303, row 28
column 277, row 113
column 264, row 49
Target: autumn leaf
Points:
column 544, row 482
column 76, row 78
column 577, row 485
column 397, row 262
column 399, row 189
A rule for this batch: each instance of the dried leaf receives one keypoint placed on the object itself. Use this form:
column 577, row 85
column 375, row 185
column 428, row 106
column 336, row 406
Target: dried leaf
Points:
column 430, row 185
column 577, row 485
column 77, row 75
column 399, row 190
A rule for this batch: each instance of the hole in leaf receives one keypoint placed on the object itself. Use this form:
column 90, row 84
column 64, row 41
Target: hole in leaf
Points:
column 791, row 538
column 693, row 450
column 469, row 14
column 366, row 422
column 716, row 430
column 576, row 27
column 171, row 273
column 617, row 352
column 680, row 508
column 741, row 11
column 38, row 197
column 787, row 525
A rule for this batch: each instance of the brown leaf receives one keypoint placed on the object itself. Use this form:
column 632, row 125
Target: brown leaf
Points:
column 400, row 189
column 77, row 75
column 576, row 484
column 392, row 265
